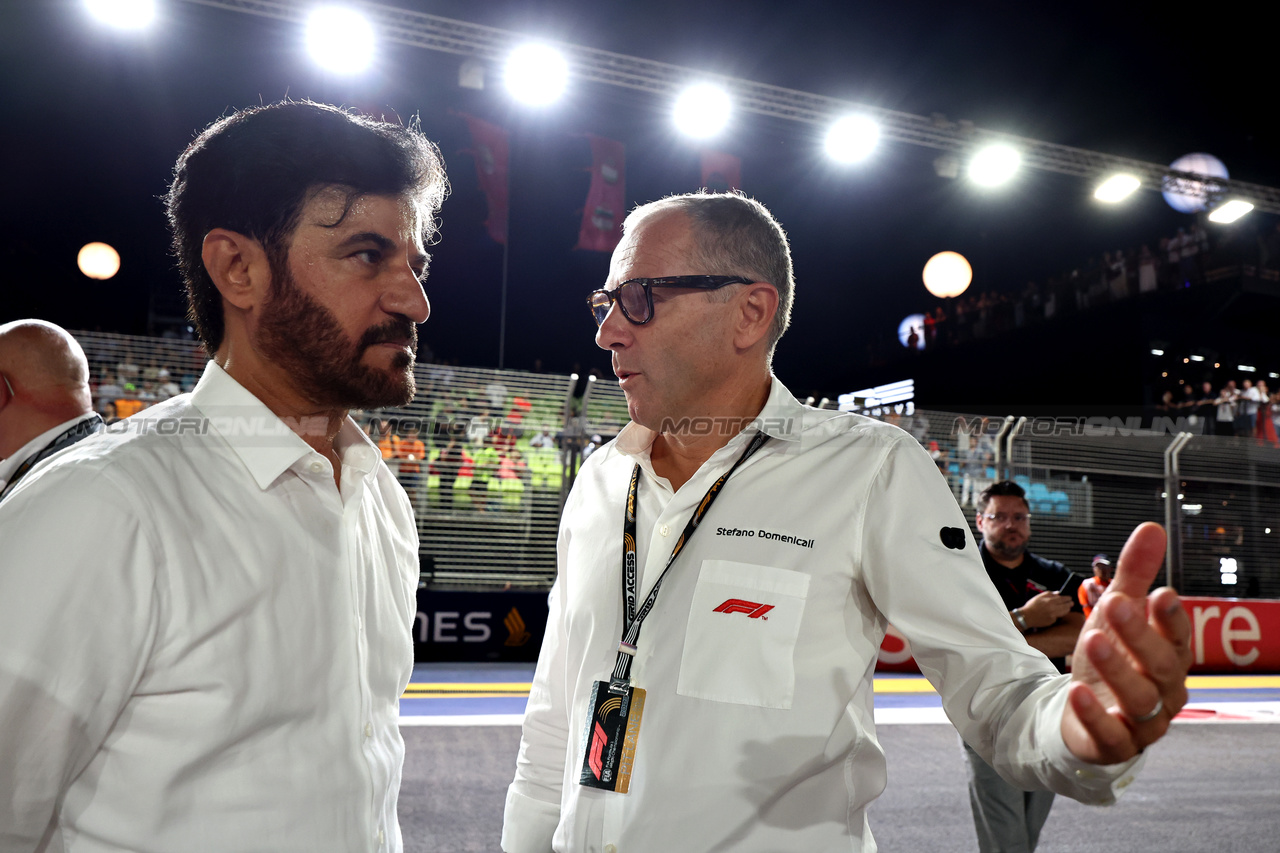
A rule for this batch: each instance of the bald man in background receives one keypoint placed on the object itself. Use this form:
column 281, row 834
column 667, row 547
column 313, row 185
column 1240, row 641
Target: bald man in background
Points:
column 45, row 404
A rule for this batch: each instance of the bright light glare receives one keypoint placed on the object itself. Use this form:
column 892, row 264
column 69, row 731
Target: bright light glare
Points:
column 852, row 139
column 947, row 274
column 702, row 110
column 340, row 39
column 994, row 165
column 1197, row 358
column 1116, row 188
column 1231, row 211
column 98, row 261
column 1246, row 368
column 1157, row 352
column 123, row 14
column 536, row 74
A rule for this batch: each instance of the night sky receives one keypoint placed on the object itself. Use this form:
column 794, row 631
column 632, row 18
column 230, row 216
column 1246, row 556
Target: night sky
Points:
column 94, row 119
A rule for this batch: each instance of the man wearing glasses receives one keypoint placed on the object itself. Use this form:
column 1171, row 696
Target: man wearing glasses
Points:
column 1040, row 597
column 763, row 547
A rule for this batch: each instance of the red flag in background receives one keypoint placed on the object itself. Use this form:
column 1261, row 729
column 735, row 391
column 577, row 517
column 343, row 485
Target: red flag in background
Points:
column 606, row 199
column 490, row 149
column 721, row 172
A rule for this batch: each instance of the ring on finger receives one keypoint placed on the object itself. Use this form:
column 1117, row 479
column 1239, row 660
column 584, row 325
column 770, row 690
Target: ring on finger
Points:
column 1152, row 714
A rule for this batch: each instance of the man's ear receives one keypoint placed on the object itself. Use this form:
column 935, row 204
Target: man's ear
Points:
column 238, row 266
column 758, row 304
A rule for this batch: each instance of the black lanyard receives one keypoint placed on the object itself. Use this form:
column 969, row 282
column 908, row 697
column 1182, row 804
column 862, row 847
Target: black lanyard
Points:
column 631, row 618
column 84, row 429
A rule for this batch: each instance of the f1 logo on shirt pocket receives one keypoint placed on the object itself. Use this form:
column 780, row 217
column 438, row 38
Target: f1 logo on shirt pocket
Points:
column 744, row 659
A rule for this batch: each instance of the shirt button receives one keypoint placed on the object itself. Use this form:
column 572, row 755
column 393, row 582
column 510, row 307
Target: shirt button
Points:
column 666, row 529
column 368, row 729
column 381, row 838
column 611, row 848
column 317, row 467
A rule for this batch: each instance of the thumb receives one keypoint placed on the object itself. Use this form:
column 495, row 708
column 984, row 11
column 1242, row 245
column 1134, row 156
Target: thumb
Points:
column 1140, row 560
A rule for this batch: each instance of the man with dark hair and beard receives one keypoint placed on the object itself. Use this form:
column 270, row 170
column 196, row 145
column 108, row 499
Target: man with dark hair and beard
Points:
column 205, row 617
column 1040, row 595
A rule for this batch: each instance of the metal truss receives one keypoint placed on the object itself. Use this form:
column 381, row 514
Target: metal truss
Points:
column 956, row 139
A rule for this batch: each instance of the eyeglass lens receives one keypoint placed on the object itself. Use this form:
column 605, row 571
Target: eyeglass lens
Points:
column 631, row 295
column 1004, row 517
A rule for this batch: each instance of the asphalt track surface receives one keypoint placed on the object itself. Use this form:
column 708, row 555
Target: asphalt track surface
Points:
column 1212, row 785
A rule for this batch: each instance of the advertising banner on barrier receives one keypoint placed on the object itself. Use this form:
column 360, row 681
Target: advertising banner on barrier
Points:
column 479, row 626
column 1234, row 634
column 1228, row 635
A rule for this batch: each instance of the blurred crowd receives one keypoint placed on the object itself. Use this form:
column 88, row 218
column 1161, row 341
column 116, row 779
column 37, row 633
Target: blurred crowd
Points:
column 1247, row 410
column 1185, row 259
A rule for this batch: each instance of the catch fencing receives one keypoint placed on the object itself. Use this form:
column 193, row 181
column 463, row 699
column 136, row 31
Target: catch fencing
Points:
column 487, row 457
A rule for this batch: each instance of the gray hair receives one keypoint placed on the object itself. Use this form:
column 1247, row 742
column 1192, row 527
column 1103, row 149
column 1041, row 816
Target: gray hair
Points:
column 735, row 235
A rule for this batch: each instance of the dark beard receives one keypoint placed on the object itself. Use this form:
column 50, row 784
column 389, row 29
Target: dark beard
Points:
column 1002, row 551
column 303, row 337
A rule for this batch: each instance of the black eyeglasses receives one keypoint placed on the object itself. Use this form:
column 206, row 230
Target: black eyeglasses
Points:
column 635, row 295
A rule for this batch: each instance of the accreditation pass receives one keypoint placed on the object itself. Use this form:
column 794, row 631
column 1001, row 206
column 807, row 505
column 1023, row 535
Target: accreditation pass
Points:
column 609, row 742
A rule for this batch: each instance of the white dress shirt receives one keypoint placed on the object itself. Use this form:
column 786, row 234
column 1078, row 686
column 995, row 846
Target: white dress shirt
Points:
column 11, row 464
column 202, row 640
column 758, row 734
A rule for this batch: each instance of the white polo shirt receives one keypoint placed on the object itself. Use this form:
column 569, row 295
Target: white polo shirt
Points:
column 757, row 733
column 202, row 641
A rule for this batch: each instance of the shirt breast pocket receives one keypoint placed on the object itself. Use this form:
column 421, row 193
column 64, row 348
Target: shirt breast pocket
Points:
column 740, row 642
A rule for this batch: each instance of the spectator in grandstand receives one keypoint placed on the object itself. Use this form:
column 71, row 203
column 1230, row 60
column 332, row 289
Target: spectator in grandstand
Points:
column 792, row 536
column 412, row 454
column 206, row 619
column 1090, row 592
column 45, row 403
column 1146, row 270
column 1227, row 403
column 107, row 391
column 1247, row 409
column 1267, row 412
column 1040, row 597
column 448, row 464
column 1207, row 408
column 167, row 387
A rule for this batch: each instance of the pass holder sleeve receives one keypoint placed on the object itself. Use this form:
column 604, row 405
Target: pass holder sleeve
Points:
column 610, row 737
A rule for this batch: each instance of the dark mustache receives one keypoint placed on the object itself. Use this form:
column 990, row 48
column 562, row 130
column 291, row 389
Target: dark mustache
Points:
column 391, row 332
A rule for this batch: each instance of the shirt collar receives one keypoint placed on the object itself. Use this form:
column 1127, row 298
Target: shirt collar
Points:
column 782, row 417
column 35, row 445
column 266, row 445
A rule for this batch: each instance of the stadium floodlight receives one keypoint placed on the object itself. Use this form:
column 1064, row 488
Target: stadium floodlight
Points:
column 1157, row 352
column 852, row 139
column 1246, row 368
column 98, row 261
column 1116, row 188
column 340, row 39
column 536, row 74
column 1231, row 211
column 122, row 14
column 994, row 165
column 947, row 274
column 1197, row 358
column 702, row 110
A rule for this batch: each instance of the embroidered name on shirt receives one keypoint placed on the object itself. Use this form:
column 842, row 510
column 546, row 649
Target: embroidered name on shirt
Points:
column 753, row 609
column 768, row 535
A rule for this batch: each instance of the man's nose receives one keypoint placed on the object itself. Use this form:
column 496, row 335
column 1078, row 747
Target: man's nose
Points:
column 405, row 295
column 615, row 330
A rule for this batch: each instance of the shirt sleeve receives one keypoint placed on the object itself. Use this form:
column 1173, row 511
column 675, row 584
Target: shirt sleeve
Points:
column 532, row 810
column 77, row 622
column 1003, row 696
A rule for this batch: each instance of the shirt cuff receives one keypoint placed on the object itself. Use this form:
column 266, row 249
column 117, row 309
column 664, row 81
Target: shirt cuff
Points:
column 528, row 825
column 1058, row 769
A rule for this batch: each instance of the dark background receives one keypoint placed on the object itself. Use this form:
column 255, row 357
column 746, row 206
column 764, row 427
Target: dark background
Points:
column 94, row 118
